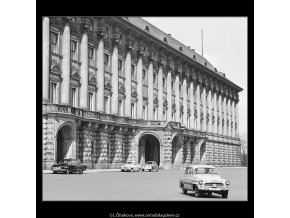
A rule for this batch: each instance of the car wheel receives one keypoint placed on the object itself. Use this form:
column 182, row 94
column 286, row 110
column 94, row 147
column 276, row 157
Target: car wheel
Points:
column 81, row 171
column 225, row 194
column 196, row 192
column 142, row 169
column 132, row 170
column 67, row 171
column 209, row 194
column 184, row 191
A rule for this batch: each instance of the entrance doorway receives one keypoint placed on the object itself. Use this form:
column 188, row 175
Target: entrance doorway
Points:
column 66, row 147
column 149, row 149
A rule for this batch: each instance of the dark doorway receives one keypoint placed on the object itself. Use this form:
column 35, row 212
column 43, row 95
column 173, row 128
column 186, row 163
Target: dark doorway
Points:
column 65, row 144
column 149, row 149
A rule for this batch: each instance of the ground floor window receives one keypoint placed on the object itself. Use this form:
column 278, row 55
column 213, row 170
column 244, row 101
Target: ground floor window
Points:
column 107, row 105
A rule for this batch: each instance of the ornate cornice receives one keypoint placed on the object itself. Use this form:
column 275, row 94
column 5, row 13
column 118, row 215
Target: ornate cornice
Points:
column 101, row 32
column 141, row 51
column 85, row 24
column 170, row 64
column 129, row 45
column 116, row 36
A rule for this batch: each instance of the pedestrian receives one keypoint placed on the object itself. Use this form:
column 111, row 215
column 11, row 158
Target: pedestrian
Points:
column 79, row 164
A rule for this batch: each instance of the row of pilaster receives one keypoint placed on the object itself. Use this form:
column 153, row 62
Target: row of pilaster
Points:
column 219, row 116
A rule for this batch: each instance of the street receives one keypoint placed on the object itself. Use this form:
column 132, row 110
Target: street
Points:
column 134, row 186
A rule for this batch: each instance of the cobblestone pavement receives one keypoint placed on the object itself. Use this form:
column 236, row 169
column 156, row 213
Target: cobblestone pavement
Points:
column 134, row 186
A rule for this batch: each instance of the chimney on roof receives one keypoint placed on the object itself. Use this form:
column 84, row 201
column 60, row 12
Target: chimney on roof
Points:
column 169, row 34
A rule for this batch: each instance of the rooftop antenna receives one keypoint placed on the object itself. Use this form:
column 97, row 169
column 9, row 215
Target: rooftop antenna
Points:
column 202, row 42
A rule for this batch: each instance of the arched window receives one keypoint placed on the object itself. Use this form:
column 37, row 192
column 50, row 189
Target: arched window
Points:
column 165, row 40
column 147, row 28
column 193, row 57
column 180, row 48
column 205, row 63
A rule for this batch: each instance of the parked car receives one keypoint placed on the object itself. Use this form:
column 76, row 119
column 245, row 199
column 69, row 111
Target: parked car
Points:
column 131, row 166
column 204, row 179
column 150, row 166
column 68, row 166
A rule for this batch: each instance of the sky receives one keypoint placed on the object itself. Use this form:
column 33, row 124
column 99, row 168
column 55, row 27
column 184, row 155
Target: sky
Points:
column 224, row 46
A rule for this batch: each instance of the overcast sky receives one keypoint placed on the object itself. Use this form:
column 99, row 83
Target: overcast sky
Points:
column 224, row 46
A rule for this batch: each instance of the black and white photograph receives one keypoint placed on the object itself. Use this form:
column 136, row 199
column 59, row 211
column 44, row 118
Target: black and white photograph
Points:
column 144, row 108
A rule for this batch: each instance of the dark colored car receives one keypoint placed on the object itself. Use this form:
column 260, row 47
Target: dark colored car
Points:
column 150, row 166
column 68, row 166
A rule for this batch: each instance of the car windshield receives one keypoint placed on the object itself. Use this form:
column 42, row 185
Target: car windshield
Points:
column 149, row 162
column 206, row 170
column 130, row 162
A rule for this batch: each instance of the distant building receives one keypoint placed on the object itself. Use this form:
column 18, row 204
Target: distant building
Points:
column 118, row 89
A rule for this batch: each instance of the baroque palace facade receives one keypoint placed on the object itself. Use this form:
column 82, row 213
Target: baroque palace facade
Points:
column 118, row 89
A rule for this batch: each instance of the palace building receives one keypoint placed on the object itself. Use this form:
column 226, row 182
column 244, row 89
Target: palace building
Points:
column 118, row 89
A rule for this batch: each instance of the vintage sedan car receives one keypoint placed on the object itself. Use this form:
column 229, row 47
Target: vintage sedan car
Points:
column 203, row 179
column 131, row 167
column 68, row 166
column 150, row 166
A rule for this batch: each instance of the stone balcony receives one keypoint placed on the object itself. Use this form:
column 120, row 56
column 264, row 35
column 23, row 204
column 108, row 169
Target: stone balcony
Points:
column 108, row 118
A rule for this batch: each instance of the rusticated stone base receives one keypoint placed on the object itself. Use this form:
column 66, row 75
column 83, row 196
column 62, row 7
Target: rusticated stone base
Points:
column 102, row 145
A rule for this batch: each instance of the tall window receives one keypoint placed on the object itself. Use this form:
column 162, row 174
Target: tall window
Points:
column 53, row 42
column 164, row 115
column 120, row 63
column 155, row 113
column 188, row 122
column 181, row 118
column 133, row 73
column 172, row 86
column 107, row 107
column 145, row 112
column 173, row 117
column 132, row 111
column 155, row 80
column 106, row 61
column 121, row 108
column 187, row 91
column 91, row 56
column 53, row 93
column 73, row 97
column 144, row 77
column 164, row 83
column 90, row 101
column 73, row 50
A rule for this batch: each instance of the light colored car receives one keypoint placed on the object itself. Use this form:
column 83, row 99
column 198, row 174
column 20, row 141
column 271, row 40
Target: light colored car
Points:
column 203, row 179
column 131, row 166
column 150, row 166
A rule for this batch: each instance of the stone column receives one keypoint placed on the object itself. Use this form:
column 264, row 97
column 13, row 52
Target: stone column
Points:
column 45, row 59
column 160, row 92
column 100, row 77
column 169, row 96
column 197, row 99
column 209, row 110
column 237, row 117
column 115, row 82
column 150, row 90
column 229, row 116
column 177, row 97
column 128, row 84
column 204, row 108
column 185, row 101
column 233, row 117
column 191, row 104
column 65, row 85
column 215, row 112
column 225, row 116
column 140, row 53
column 84, row 72
column 220, row 126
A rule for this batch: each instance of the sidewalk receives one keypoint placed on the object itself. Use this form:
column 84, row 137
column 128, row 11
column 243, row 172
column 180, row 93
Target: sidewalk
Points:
column 87, row 171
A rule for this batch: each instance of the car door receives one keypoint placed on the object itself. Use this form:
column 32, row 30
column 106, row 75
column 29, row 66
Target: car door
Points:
column 188, row 178
column 184, row 178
